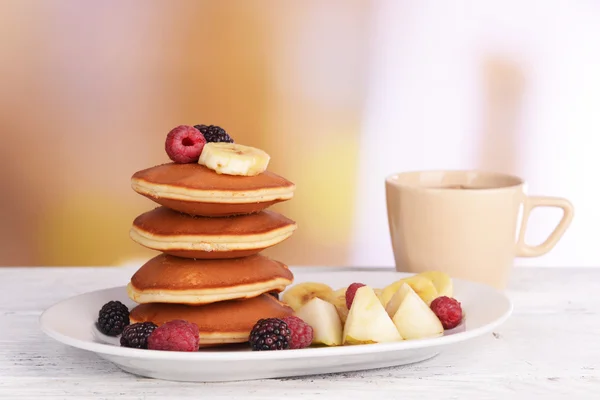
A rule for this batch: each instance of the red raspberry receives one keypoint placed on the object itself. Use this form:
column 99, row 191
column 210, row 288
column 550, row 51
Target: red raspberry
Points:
column 302, row 333
column 448, row 310
column 351, row 292
column 176, row 335
column 184, row 144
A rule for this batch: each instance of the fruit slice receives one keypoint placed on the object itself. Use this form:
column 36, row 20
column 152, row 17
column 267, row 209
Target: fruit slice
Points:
column 325, row 321
column 300, row 294
column 368, row 322
column 338, row 299
column 379, row 293
column 421, row 285
column 412, row 316
column 441, row 281
column 234, row 159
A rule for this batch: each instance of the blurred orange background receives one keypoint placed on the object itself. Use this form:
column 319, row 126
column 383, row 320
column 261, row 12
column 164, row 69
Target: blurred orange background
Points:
column 90, row 90
column 341, row 93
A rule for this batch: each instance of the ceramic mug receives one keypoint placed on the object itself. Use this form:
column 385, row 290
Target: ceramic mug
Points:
column 469, row 224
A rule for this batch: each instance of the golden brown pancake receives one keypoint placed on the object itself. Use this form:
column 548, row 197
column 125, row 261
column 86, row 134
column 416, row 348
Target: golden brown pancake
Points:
column 197, row 190
column 187, row 236
column 168, row 279
column 220, row 323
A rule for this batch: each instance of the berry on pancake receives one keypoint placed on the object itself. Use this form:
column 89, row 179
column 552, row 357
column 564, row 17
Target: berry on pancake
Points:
column 184, row 144
column 214, row 134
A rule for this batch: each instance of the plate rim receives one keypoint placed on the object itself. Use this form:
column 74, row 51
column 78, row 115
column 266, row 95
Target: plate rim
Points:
column 113, row 350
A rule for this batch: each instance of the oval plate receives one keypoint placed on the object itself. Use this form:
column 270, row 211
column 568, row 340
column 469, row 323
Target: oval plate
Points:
column 72, row 322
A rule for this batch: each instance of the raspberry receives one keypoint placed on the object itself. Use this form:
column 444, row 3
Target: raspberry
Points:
column 351, row 292
column 136, row 335
column 113, row 318
column 184, row 144
column 448, row 310
column 302, row 333
column 270, row 334
column 213, row 133
column 176, row 335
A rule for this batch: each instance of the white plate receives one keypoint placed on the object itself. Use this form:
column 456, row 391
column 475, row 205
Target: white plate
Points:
column 72, row 322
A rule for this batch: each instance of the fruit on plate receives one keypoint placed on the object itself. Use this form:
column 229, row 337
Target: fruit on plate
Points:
column 448, row 311
column 379, row 293
column 300, row 294
column 323, row 317
column 234, row 159
column 441, row 281
column 351, row 292
column 176, row 335
column 113, row 317
column 302, row 333
column 420, row 284
column 368, row 321
column 270, row 334
column 412, row 316
column 338, row 299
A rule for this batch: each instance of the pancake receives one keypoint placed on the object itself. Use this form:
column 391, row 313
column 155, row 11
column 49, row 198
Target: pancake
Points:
column 220, row 323
column 187, row 236
column 197, row 190
column 168, row 279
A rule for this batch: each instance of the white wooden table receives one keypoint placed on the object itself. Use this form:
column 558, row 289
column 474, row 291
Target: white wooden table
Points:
column 549, row 348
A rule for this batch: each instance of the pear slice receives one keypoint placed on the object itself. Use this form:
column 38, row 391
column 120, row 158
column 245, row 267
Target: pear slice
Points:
column 441, row 281
column 423, row 286
column 412, row 316
column 325, row 321
column 368, row 321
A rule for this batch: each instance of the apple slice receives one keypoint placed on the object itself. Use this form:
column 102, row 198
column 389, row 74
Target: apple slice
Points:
column 412, row 316
column 368, row 321
column 423, row 286
column 325, row 321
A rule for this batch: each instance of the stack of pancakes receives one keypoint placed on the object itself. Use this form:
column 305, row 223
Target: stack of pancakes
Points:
column 210, row 229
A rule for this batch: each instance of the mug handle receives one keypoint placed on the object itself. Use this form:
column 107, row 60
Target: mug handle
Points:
column 525, row 250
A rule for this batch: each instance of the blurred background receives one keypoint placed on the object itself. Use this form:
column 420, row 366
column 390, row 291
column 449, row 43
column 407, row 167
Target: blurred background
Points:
column 341, row 93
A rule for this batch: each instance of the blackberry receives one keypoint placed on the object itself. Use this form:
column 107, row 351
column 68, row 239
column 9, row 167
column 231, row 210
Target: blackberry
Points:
column 136, row 335
column 270, row 334
column 213, row 133
column 113, row 318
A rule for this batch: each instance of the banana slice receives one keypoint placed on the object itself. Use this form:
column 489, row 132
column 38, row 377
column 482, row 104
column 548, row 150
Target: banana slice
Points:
column 300, row 294
column 234, row 159
column 338, row 299
column 420, row 284
column 441, row 281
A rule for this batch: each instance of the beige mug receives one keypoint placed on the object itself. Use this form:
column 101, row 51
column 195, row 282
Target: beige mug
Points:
column 469, row 224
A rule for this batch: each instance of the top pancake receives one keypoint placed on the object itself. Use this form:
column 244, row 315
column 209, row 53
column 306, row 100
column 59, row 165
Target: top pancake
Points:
column 197, row 190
